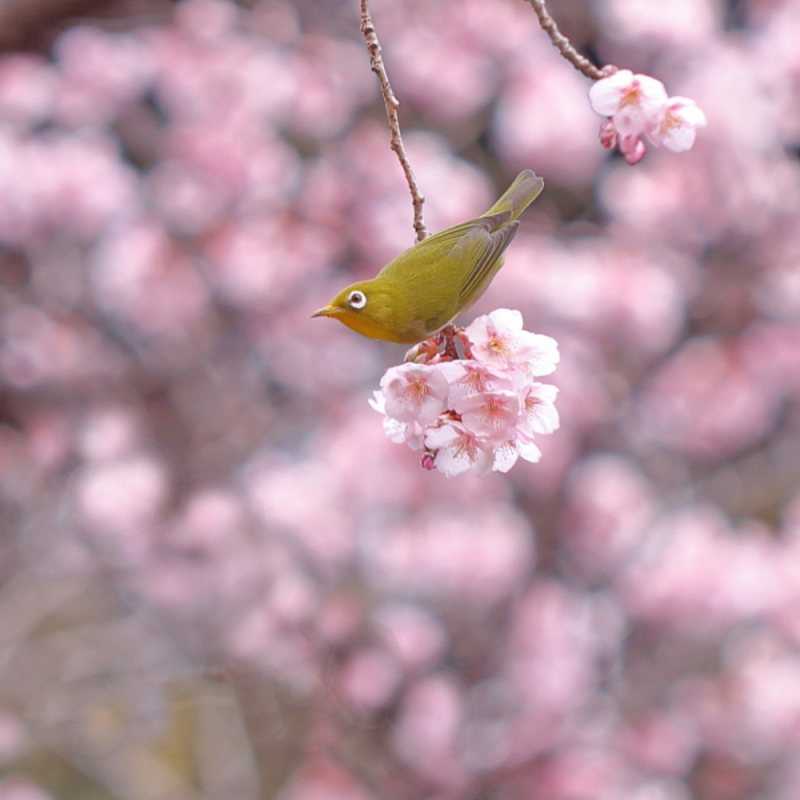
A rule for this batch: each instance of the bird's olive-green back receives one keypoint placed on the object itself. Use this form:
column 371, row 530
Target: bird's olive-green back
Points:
column 443, row 275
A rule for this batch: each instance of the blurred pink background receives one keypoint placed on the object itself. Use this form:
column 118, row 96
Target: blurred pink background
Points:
column 220, row 580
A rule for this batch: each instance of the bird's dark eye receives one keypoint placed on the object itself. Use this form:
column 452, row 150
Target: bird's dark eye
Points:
column 357, row 299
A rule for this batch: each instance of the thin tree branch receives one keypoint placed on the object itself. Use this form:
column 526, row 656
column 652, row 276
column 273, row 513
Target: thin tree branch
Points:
column 564, row 46
column 391, row 103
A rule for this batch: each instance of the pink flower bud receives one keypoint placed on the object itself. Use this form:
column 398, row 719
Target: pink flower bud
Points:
column 608, row 135
column 632, row 147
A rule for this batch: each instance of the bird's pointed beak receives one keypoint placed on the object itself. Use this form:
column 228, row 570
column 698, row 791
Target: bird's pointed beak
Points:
column 326, row 311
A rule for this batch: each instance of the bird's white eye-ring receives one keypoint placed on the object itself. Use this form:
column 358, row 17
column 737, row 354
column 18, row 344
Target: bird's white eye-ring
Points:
column 357, row 299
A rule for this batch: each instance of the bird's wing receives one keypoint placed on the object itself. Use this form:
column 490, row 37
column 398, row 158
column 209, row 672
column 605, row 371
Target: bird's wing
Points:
column 482, row 245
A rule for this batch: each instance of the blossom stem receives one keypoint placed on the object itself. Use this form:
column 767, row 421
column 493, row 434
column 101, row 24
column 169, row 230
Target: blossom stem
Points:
column 391, row 102
column 565, row 47
column 449, row 335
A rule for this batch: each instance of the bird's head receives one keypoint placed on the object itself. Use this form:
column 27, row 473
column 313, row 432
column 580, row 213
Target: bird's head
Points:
column 364, row 307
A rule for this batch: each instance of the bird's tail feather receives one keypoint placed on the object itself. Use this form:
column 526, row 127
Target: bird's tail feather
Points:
column 519, row 195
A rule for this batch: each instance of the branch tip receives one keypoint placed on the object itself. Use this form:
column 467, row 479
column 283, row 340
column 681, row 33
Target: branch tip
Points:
column 565, row 47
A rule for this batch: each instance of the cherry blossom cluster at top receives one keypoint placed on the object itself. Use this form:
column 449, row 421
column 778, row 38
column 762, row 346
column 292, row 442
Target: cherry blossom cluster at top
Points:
column 638, row 104
column 480, row 412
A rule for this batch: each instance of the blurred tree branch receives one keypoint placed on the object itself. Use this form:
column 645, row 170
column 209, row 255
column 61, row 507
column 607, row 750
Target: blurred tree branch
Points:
column 29, row 24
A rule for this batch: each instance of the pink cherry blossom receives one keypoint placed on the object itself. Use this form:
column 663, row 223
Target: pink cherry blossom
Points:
column 489, row 409
column 491, row 415
column 538, row 408
column 638, row 104
column 507, row 453
column 630, row 100
column 676, row 124
column 410, row 433
column 414, row 393
column 467, row 377
column 499, row 342
column 543, row 357
column 458, row 450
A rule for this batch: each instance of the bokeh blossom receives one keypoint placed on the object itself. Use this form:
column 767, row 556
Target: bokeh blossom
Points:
column 221, row 577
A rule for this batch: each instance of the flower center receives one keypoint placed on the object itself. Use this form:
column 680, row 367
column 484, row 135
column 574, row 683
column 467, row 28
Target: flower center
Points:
column 497, row 343
column 475, row 380
column 418, row 389
column 466, row 445
column 670, row 122
column 631, row 96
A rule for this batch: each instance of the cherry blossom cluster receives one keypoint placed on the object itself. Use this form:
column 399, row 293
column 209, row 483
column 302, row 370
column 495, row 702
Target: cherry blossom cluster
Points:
column 637, row 105
column 480, row 412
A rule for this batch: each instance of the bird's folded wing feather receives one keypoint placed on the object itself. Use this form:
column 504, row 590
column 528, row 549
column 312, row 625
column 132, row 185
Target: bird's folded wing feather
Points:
column 482, row 245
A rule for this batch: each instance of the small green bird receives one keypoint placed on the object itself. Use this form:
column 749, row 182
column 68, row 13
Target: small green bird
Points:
column 421, row 290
